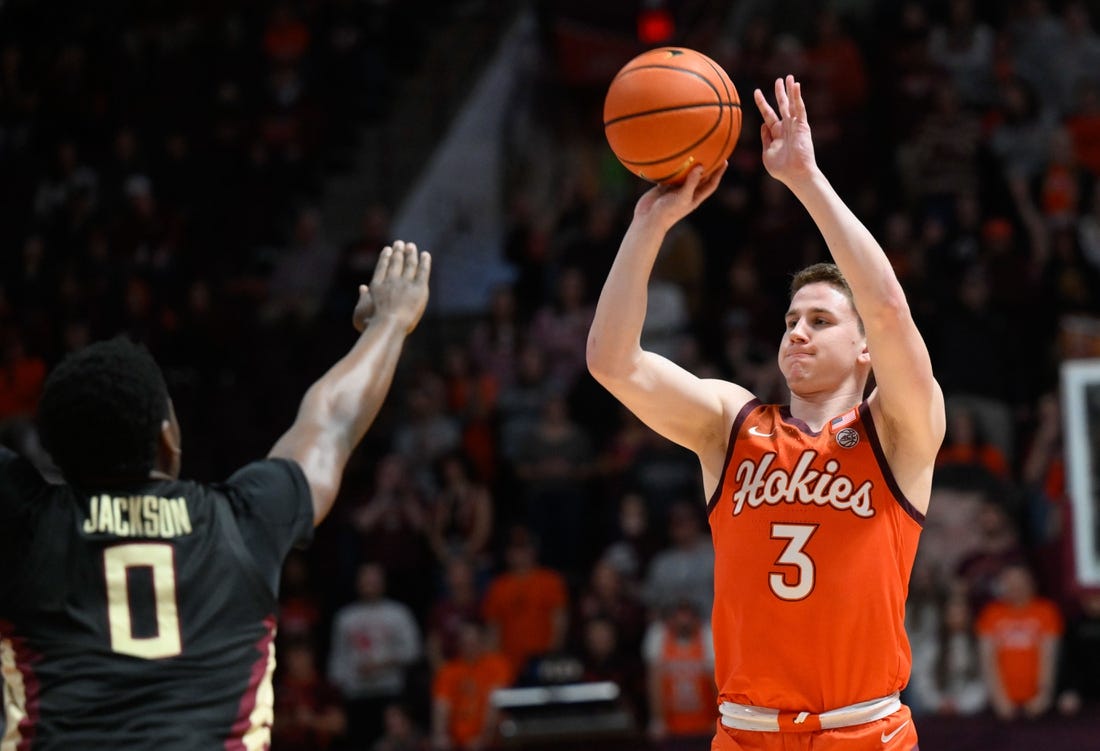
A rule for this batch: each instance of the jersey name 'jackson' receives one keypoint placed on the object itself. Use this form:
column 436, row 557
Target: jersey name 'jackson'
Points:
column 137, row 516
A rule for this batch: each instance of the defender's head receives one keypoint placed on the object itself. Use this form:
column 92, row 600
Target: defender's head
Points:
column 105, row 415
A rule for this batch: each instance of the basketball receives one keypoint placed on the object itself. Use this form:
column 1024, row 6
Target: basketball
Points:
column 669, row 109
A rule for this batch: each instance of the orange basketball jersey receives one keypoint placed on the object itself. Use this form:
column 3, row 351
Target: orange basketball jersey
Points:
column 813, row 544
column 687, row 686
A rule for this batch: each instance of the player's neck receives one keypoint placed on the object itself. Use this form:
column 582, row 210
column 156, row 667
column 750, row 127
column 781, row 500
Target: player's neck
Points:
column 817, row 409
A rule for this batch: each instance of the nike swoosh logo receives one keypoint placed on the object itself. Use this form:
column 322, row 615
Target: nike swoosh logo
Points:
column 756, row 432
column 887, row 737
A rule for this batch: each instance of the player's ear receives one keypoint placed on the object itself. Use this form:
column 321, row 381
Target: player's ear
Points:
column 169, row 442
column 169, row 437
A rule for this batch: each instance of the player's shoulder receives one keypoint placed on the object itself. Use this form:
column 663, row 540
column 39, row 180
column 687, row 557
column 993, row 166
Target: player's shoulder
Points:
column 733, row 396
column 264, row 482
column 737, row 402
column 266, row 471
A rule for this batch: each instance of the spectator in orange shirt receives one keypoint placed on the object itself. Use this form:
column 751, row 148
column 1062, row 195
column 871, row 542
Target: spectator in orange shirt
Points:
column 1019, row 635
column 679, row 657
column 463, row 716
column 526, row 607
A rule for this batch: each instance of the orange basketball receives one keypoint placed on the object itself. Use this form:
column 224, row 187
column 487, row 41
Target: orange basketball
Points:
column 669, row 109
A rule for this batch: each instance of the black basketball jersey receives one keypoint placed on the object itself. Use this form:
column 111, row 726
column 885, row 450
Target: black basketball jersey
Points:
column 143, row 617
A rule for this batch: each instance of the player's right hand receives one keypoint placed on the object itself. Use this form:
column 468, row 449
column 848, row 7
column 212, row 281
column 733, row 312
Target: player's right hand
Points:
column 399, row 288
column 668, row 204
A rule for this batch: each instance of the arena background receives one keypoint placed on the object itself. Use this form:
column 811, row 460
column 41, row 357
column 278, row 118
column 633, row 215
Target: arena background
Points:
column 215, row 178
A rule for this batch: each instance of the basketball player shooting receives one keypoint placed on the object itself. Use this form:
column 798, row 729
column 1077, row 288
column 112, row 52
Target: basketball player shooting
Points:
column 816, row 506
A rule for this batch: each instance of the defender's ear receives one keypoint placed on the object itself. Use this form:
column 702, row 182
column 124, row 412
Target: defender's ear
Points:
column 169, row 449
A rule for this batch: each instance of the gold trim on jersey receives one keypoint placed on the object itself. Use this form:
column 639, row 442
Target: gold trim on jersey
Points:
column 258, row 735
column 137, row 516
column 15, row 697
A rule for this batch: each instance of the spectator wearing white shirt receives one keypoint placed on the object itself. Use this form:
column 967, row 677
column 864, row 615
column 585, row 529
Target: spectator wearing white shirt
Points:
column 375, row 640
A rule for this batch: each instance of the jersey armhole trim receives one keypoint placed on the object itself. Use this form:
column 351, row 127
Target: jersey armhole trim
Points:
column 738, row 421
column 884, row 466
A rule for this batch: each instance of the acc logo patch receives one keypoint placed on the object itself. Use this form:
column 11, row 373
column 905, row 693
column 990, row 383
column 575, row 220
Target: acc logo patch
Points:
column 847, row 438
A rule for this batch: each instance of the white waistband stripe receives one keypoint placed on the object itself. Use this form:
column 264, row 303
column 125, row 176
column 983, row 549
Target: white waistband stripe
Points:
column 765, row 720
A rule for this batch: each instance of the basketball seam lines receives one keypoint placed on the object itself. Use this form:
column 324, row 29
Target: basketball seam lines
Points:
column 729, row 95
column 670, row 109
column 690, row 72
column 681, row 152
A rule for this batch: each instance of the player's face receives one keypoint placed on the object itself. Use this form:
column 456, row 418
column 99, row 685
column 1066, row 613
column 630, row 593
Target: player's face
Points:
column 822, row 346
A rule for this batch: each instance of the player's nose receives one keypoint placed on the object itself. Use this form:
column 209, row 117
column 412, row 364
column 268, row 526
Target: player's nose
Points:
column 797, row 332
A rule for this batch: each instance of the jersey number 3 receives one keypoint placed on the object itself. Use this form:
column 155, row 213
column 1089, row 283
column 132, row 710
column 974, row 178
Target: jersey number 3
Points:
column 160, row 560
column 793, row 585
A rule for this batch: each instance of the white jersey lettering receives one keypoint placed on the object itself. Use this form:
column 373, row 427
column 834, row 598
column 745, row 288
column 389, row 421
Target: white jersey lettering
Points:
column 760, row 484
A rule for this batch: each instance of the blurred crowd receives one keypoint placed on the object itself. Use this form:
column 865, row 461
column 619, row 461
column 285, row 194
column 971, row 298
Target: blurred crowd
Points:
column 505, row 522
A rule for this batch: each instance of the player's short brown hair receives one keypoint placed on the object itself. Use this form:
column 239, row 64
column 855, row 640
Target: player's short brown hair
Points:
column 826, row 273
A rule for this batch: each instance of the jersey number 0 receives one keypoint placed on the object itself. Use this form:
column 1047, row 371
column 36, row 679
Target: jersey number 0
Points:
column 160, row 560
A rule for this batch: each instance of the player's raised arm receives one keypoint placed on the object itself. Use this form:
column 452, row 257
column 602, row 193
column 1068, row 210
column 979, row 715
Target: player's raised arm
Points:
column 337, row 410
column 908, row 397
column 675, row 403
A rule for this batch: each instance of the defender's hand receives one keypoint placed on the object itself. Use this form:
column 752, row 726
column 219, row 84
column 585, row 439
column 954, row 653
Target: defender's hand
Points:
column 399, row 288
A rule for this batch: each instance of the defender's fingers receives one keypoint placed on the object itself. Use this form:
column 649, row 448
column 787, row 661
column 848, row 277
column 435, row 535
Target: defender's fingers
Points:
column 424, row 269
column 397, row 260
column 412, row 261
column 383, row 264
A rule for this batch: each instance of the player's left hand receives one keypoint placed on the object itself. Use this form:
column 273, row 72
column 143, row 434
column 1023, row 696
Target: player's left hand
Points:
column 788, row 145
